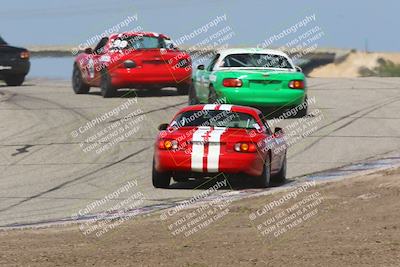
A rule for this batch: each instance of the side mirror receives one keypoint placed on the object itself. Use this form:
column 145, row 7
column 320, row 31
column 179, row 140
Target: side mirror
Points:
column 88, row 50
column 171, row 46
column 278, row 130
column 200, row 67
column 298, row 69
column 163, row 127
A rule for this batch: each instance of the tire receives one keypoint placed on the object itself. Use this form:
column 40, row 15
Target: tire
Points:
column 280, row 177
column 15, row 80
column 107, row 90
column 212, row 95
column 183, row 89
column 159, row 179
column 264, row 180
column 192, row 99
column 303, row 112
column 78, row 84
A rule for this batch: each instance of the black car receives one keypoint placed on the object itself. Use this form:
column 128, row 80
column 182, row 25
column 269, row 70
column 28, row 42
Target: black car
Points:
column 14, row 64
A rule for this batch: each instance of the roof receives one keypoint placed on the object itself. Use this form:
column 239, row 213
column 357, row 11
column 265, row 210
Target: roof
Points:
column 234, row 108
column 152, row 34
column 254, row 50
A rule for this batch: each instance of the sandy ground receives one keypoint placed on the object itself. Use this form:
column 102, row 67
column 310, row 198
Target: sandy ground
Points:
column 355, row 223
column 351, row 65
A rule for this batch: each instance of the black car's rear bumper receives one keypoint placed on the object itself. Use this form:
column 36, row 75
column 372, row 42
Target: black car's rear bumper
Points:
column 13, row 67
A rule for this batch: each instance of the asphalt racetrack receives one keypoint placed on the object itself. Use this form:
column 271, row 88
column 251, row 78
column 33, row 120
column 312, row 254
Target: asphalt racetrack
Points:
column 46, row 174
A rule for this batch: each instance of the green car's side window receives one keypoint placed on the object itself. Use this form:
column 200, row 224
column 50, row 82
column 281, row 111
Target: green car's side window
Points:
column 212, row 63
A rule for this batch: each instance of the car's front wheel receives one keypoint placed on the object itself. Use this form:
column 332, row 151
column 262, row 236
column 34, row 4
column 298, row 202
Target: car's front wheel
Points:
column 264, row 179
column 15, row 80
column 107, row 90
column 78, row 84
column 160, row 179
column 280, row 177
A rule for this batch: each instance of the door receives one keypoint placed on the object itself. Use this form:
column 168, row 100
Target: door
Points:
column 94, row 62
column 277, row 144
column 203, row 80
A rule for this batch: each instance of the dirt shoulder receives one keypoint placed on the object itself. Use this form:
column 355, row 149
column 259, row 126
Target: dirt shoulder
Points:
column 353, row 222
column 351, row 65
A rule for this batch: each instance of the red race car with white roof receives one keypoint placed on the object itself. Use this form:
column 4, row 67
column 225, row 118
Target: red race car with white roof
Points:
column 132, row 60
column 204, row 140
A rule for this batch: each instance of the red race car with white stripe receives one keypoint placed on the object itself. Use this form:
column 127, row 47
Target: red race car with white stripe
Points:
column 204, row 140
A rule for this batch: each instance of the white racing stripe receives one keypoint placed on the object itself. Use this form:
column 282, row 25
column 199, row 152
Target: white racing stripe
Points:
column 209, row 106
column 214, row 149
column 214, row 146
column 225, row 107
column 198, row 148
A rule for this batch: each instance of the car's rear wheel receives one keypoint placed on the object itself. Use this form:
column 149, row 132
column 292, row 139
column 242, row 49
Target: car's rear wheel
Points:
column 303, row 112
column 212, row 95
column 160, row 179
column 193, row 100
column 264, row 179
column 78, row 84
column 14, row 80
column 280, row 177
column 183, row 89
column 107, row 90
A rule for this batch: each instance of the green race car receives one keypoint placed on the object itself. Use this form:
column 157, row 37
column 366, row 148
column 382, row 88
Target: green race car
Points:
column 251, row 77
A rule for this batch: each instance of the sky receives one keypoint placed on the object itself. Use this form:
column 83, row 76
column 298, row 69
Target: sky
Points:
column 345, row 24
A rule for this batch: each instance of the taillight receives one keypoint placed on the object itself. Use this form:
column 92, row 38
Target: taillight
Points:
column 168, row 144
column 296, row 84
column 232, row 82
column 245, row 147
column 24, row 54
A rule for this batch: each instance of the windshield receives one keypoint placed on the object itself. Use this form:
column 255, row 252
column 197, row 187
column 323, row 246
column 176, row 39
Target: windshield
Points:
column 256, row 60
column 2, row 42
column 215, row 118
column 138, row 42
